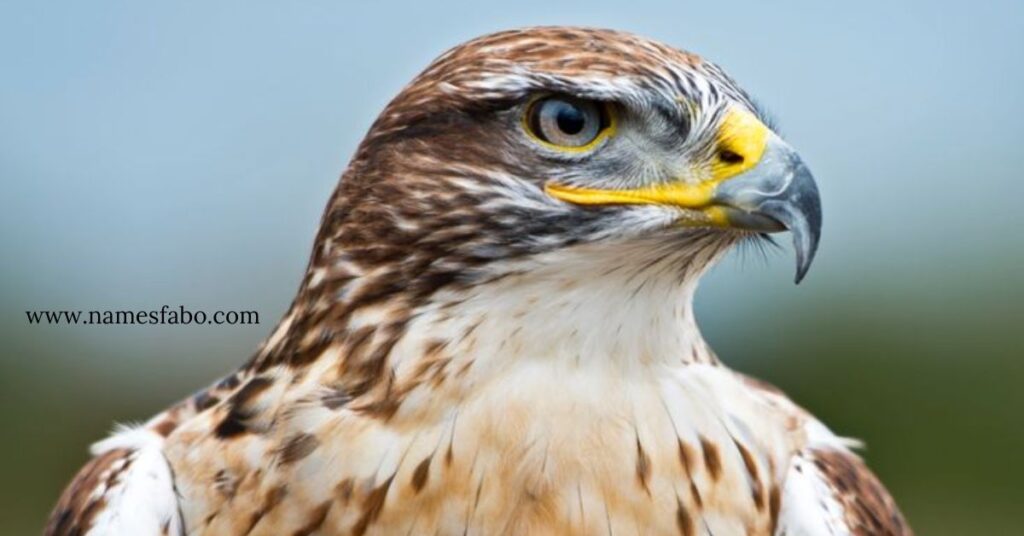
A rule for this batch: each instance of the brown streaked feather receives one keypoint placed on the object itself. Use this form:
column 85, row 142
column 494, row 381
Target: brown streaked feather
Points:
column 868, row 508
column 80, row 504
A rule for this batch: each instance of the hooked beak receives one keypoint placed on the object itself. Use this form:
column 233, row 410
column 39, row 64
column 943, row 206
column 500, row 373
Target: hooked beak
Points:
column 777, row 194
column 763, row 185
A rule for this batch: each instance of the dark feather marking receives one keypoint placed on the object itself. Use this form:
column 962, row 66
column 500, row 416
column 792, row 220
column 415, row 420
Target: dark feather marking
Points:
column 336, row 398
column 229, row 382
column 774, row 505
column 316, row 520
column 712, row 458
column 756, row 486
column 271, row 499
column 643, row 467
column 696, row 494
column 233, row 423
column 358, row 341
column 421, row 474
column 225, row 483
column 297, row 447
column 231, row 426
column 204, row 400
column 683, row 519
column 165, row 427
column 687, row 457
column 449, row 455
column 344, row 491
column 372, row 506
column 370, row 371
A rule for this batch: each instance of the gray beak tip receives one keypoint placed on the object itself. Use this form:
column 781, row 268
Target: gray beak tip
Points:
column 803, row 261
column 806, row 228
column 803, row 264
column 806, row 231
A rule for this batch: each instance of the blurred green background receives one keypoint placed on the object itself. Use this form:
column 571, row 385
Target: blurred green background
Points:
column 180, row 153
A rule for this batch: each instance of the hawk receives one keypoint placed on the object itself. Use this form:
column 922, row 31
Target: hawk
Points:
column 495, row 333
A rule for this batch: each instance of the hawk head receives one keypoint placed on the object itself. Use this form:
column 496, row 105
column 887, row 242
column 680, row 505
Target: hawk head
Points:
column 533, row 142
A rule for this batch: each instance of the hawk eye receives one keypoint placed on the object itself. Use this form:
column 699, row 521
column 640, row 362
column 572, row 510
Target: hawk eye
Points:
column 567, row 123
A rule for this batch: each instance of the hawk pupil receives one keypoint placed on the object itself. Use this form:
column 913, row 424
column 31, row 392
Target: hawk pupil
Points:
column 570, row 119
column 564, row 122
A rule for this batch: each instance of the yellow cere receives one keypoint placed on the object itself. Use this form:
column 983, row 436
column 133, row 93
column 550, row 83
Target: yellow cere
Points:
column 740, row 133
column 743, row 134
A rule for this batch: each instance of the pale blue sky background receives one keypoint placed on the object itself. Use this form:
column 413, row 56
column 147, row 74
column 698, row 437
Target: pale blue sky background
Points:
column 181, row 153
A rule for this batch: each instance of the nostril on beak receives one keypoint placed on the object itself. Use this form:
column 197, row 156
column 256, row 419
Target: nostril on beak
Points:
column 728, row 156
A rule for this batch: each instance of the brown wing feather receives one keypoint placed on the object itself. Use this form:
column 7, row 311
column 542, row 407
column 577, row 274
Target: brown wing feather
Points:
column 80, row 503
column 868, row 508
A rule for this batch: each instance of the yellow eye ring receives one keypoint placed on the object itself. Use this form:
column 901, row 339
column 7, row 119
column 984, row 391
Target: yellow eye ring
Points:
column 568, row 124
